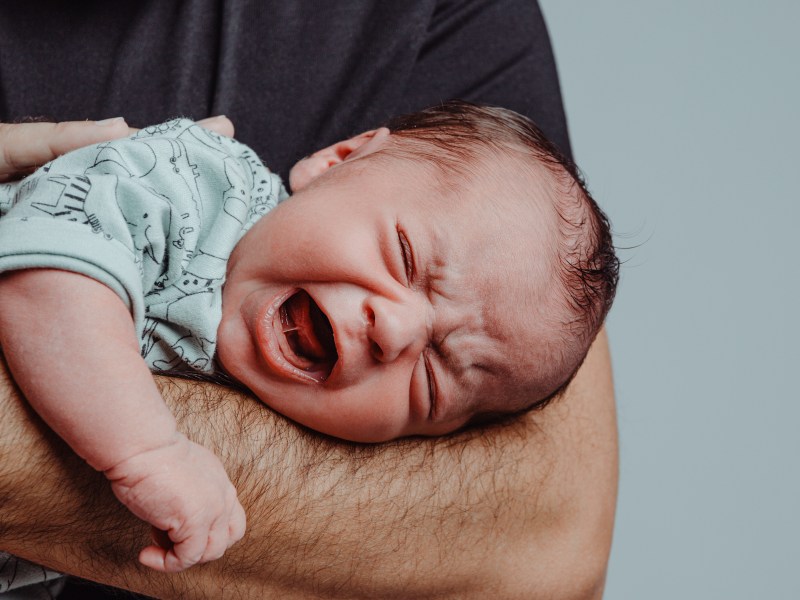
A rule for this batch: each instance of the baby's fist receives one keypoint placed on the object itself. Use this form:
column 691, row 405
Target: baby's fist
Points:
column 183, row 490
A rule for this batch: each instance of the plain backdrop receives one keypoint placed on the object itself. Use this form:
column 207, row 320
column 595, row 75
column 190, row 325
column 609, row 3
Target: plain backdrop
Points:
column 684, row 118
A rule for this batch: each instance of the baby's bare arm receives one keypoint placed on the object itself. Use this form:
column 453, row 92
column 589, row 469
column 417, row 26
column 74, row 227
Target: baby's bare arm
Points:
column 523, row 511
column 72, row 348
column 71, row 345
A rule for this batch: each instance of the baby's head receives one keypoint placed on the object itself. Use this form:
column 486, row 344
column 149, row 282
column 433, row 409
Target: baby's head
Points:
column 445, row 270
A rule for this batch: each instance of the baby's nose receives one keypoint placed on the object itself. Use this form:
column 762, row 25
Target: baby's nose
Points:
column 395, row 327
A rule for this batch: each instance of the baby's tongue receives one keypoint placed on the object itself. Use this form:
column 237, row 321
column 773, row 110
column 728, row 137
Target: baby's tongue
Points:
column 302, row 312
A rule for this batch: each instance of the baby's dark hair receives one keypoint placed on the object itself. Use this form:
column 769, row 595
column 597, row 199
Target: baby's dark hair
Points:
column 451, row 136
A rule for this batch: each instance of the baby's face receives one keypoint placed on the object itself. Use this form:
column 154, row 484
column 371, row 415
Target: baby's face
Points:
column 369, row 307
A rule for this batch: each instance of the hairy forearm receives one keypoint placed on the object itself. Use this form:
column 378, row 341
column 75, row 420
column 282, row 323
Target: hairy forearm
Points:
column 517, row 510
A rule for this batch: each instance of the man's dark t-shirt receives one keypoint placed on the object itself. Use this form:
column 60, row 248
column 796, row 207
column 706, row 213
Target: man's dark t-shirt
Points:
column 293, row 75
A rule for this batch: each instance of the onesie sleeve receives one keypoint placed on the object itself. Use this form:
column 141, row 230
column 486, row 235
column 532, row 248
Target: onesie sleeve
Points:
column 63, row 218
column 138, row 214
column 128, row 213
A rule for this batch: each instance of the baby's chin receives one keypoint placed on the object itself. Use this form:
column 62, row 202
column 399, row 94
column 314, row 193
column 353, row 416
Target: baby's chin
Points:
column 334, row 424
column 348, row 431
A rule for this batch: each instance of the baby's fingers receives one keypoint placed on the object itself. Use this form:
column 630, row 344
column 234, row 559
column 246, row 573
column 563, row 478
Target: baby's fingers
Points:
column 179, row 556
column 166, row 561
column 187, row 552
column 237, row 525
column 217, row 541
column 154, row 557
column 225, row 532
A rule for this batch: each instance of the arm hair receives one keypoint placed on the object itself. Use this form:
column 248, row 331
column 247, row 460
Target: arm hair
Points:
column 518, row 510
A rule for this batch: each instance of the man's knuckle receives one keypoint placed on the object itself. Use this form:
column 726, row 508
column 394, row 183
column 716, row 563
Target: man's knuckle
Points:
column 61, row 127
column 8, row 160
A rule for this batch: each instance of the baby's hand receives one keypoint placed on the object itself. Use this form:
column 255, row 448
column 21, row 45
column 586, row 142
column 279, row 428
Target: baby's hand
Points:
column 183, row 490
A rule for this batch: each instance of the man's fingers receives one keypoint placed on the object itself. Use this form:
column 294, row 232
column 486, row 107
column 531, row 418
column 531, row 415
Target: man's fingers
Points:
column 25, row 146
column 219, row 124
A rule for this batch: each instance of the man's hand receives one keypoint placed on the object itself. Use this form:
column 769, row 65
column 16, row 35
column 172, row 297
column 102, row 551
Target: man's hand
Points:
column 26, row 146
column 219, row 124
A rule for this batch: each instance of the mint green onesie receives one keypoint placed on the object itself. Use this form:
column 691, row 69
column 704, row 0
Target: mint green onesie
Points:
column 155, row 218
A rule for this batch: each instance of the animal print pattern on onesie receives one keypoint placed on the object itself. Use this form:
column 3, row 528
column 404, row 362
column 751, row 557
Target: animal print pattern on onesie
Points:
column 155, row 217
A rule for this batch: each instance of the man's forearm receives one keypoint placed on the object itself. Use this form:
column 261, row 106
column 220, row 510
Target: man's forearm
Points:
column 518, row 510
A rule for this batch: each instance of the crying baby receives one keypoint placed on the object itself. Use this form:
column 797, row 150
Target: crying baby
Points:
column 447, row 269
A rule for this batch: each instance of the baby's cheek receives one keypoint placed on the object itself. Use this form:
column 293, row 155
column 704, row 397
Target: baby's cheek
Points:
column 382, row 415
column 361, row 415
column 235, row 353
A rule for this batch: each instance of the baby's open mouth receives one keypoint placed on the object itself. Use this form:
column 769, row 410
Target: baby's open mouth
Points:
column 308, row 342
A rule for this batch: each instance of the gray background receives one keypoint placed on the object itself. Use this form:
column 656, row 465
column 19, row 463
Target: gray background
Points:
column 684, row 118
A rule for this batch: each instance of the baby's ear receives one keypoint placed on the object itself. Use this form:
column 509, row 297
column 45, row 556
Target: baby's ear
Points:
column 311, row 167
